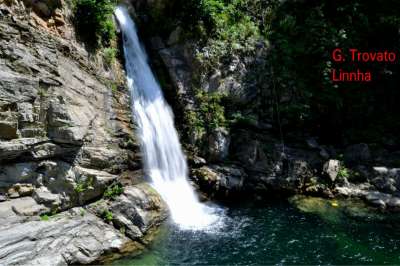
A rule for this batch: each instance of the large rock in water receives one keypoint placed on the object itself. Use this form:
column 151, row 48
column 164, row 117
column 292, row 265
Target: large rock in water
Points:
column 65, row 137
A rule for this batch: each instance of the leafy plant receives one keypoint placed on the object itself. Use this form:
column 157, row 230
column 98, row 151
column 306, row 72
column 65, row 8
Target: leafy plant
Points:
column 44, row 217
column 113, row 191
column 82, row 186
column 343, row 172
column 107, row 215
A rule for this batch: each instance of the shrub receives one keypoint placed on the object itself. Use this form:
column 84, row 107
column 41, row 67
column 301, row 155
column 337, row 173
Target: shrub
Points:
column 343, row 172
column 211, row 110
column 93, row 19
column 109, row 55
column 113, row 191
column 107, row 215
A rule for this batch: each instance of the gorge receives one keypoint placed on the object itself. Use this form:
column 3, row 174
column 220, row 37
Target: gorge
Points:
column 180, row 132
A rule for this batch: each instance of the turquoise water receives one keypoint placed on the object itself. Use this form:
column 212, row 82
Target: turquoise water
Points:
column 280, row 234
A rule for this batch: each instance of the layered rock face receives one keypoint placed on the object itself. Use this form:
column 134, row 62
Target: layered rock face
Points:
column 65, row 137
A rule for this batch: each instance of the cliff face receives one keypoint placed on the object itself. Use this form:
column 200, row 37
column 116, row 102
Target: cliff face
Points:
column 239, row 109
column 66, row 138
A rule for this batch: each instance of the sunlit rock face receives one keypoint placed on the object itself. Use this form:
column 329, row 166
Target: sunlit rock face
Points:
column 65, row 137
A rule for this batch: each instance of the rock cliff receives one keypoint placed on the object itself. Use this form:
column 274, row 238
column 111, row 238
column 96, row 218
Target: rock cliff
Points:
column 234, row 112
column 66, row 143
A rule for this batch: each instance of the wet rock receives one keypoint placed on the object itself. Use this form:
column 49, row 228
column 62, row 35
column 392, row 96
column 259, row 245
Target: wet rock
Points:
column 394, row 202
column 220, row 180
column 354, row 190
column 381, row 170
column 358, row 153
column 385, row 179
column 378, row 199
column 141, row 206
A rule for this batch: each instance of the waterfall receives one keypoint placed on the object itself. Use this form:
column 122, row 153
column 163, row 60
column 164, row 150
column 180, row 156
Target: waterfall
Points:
column 163, row 158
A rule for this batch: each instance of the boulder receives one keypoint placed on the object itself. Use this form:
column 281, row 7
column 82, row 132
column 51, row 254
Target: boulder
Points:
column 220, row 181
column 331, row 169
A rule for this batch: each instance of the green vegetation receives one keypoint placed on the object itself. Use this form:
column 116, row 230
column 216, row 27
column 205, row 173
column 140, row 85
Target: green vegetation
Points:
column 44, row 217
column 293, row 72
column 208, row 115
column 94, row 23
column 83, row 185
column 107, row 215
column 226, row 27
column 303, row 35
column 211, row 111
column 113, row 191
column 109, row 55
column 344, row 172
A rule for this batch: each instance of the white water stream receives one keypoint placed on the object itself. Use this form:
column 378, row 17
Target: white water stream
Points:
column 164, row 161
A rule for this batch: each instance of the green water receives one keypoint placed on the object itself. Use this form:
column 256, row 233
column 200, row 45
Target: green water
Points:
column 278, row 233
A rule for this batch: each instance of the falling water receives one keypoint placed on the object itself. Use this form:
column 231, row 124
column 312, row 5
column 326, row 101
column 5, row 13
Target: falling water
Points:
column 164, row 160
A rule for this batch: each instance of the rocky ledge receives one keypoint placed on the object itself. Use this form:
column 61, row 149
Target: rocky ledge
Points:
column 101, row 231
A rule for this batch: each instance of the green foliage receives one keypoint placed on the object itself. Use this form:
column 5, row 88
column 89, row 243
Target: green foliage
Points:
column 83, row 185
column 211, row 111
column 243, row 120
column 93, row 19
column 113, row 191
column 195, row 123
column 208, row 115
column 107, row 215
column 109, row 55
column 343, row 172
column 80, row 187
column 300, row 36
column 228, row 28
column 303, row 35
column 44, row 217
